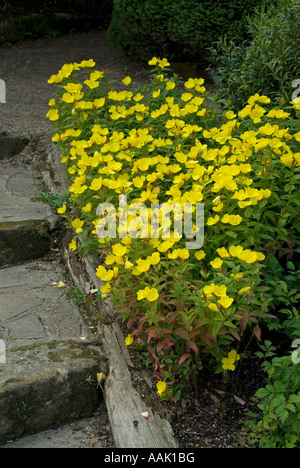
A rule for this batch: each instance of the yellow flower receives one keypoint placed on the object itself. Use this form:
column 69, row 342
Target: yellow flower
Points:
column 53, row 115
column 235, row 251
column 287, row 159
column 190, row 83
column 105, row 289
column 92, row 84
column 211, row 221
column 62, row 210
column 155, row 94
column 138, row 97
column 127, row 80
column 153, row 61
column 128, row 265
column 200, row 255
column 249, row 256
column 257, row 113
column 163, row 63
column 119, row 250
column 87, row 208
column 170, row 85
column 234, row 220
column 225, row 301
column 230, row 115
column 244, row 290
column 223, row 252
column 161, row 387
column 73, row 245
column 129, row 340
column 77, row 225
column 87, row 63
column 104, row 274
column 213, row 307
column 147, row 293
column 217, row 263
column 96, row 184
column 229, row 362
column 220, row 290
column 154, row 259
column 68, row 98
column 186, row 97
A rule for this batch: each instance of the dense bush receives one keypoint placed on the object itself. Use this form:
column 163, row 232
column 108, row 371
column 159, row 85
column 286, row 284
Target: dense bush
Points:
column 182, row 28
column 277, row 422
column 168, row 143
column 269, row 63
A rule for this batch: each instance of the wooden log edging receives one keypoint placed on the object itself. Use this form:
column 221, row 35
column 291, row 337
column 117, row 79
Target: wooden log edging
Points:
column 124, row 405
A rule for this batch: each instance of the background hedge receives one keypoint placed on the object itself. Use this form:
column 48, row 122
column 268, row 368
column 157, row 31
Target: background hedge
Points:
column 268, row 63
column 181, row 28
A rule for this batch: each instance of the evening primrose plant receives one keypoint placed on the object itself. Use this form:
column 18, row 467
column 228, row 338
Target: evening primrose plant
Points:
column 170, row 143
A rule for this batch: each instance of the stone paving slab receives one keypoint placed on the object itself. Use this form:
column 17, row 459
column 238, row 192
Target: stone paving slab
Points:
column 48, row 370
column 32, row 310
column 79, row 434
column 46, row 385
column 17, row 188
column 49, row 373
column 24, row 224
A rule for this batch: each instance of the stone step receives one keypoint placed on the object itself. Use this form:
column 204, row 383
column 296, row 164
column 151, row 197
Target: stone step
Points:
column 48, row 372
column 25, row 225
column 10, row 146
column 91, row 432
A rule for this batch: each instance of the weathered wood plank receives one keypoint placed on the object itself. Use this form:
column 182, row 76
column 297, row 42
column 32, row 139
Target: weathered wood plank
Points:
column 124, row 405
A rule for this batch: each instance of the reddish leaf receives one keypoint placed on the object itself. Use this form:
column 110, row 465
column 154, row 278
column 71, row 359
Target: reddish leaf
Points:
column 193, row 346
column 182, row 334
column 244, row 323
column 169, row 344
column 151, row 335
column 131, row 322
column 235, row 334
column 205, row 339
column 184, row 357
column 160, row 346
column 153, row 358
column 257, row 332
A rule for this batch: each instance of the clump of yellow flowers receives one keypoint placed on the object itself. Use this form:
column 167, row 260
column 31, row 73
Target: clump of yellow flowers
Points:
column 171, row 142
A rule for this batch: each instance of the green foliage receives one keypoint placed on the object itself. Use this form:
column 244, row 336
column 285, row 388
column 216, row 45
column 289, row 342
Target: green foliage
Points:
column 75, row 294
column 184, row 28
column 283, row 283
column 160, row 144
column 55, row 201
column 269, row 63
column 278, row 423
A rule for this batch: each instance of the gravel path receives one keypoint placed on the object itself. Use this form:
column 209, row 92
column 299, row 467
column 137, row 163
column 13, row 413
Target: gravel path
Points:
column 26, row 67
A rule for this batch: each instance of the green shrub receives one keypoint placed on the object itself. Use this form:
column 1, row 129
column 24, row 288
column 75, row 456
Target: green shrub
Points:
column 278, row 423
column 158, row 146
column 269, row 63
column 183, row 28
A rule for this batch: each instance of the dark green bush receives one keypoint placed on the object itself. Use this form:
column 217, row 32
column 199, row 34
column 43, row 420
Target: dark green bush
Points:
column 269, row 63
column 181, row 29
